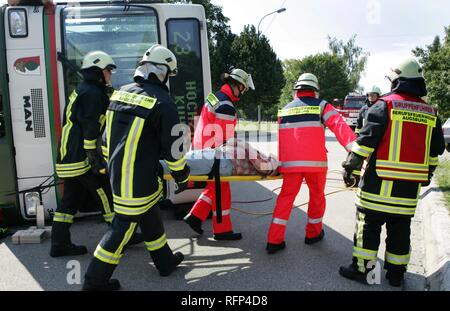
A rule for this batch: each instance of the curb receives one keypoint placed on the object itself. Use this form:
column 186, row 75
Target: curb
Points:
column 436, row 232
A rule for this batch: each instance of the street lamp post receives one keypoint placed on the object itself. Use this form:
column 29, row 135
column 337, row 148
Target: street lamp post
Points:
column 259, row 24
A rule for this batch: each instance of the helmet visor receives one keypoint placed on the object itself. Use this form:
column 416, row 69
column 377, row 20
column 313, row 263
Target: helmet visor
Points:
column 250, row 83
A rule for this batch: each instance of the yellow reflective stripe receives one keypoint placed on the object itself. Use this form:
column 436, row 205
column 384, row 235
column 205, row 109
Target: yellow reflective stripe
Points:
column 108, row 217
column 299, row 111
column 102, row 120
column 90, row 144
column 68, row 126
column 138, row 201
column 386, row 198
column 134, row 99
column 428, row 145
column 395, row 140
column 413, row 117
column 107, row 257
column 362, row 150
column 127, row 238
column 357, row 130
column 385, row 208
column 363, row 253
column 72, row 166
column 72, row 173
column 129, row 157
column 386, row 189
column 61, row 217
column 105, row 152
column 360, row 221
column 434, row 161
column 134, row 207
column 105, row 201
column 177, row 165
column 135, row 211
column 398, row 260
column 357, row 173
column 212, row 99
column 157, row 244
column 109, row 119
column 402, row 175
column 402, row 165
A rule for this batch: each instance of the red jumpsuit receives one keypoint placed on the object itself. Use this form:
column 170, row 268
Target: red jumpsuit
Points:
column 303, row 155
column 216, row 125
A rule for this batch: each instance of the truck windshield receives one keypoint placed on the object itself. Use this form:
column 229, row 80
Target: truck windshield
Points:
column 125, row 33
column 354, row 103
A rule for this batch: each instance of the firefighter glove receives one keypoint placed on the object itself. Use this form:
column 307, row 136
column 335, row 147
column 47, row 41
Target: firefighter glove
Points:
column 430, row 176
column 353, row 163
column 181, row 179
column 97, row 163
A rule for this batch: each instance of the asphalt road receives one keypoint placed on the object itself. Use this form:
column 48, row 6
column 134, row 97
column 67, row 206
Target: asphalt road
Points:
column 231, row 265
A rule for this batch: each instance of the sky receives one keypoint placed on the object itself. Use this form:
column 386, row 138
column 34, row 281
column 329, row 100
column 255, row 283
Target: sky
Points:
column 388, row 30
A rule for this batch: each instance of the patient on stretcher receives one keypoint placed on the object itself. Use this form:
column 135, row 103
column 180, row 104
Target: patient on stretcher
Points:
column 237, row 158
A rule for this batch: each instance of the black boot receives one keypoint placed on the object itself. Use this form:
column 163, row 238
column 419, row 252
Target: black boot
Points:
column 194, row 222
column 395, row 278
column 177, row 259
column 316, row 239
column 273, row 248
column 111, row 285
column 166, row 261
column 353, row 274
column 67, row 250
column 98, row 277
column 228, row 236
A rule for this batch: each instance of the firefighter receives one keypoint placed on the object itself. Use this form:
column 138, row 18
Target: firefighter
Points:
column 402, row 139
column 78, row 161
column 303, row 156
column 140, row 120
column 372, row 97
column 217, row 124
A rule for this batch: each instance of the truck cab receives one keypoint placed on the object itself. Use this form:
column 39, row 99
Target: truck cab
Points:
column 350, row 108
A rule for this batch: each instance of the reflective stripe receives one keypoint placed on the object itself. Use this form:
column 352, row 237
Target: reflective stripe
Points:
column 363, row 253
column 68, row 126
column 227, row 117
column 300, row 125
column 90, row 144
column 212, row 99
column 305, row 164
column 224, row 213
column 402, row 175
column 177, row 165
column 385, row 208
column 205, row 198
column 398, row 260
column 299, row 111
column 134, row 99
column 322, row 105
column 394, row 147
column 129, row 157
column 360, row 221
column 107, row 257
column 349, row 147
column 108, row 217
column 357, row 130
column 329, row 114
column 357, row 173
column 279, row 221
column 105, row 201
column 105, row 152
column 137, row 201
column 362, row 150
column 386, row 199
column 102, row 120
column 434, row 161
column 61, row 217
column 73, row 173
column 403, row 165
column 72, row 166
column 386, row 189
column 315, row 221
column 157, row 244
column 135, row 211
column 109, row 120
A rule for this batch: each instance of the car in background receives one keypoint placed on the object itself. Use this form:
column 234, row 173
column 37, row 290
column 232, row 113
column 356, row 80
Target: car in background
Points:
column 446, row 129
column 349, row 110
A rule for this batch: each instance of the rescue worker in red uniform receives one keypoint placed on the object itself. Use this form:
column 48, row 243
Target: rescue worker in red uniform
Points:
column 303, row 156
column 216, row 125
column 402, row 139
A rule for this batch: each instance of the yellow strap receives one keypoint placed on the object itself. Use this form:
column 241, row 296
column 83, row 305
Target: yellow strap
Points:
column 228, row 178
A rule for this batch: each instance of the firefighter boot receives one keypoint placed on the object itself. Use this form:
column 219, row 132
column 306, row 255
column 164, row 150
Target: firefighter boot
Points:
column 165, row 261
column 227, row 236
column 194, row 222
column 350, row 272
column 98, row 277
column 61, row 243
column 316, row 239
column 395, row 278
column 273, row 248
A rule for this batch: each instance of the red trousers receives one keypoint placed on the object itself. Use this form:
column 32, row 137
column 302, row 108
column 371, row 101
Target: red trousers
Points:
column 316, row 206
column 207, row 201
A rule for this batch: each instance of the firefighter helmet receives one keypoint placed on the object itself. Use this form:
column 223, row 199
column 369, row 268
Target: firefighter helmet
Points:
column 307, row 80
column 407, row 69
column 241, row 77
column 98, row 59
column 160, row 55
column 374, row 89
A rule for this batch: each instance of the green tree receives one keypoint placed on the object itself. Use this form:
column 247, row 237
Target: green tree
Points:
column 435, row 59
column 354, row 57
column 254, row 54
column 329, row 69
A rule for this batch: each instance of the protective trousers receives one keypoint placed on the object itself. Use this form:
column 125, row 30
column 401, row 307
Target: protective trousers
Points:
column 111, row 248
column 74, row 189
column 367, row 240
column 207, row 201
column 316, row 206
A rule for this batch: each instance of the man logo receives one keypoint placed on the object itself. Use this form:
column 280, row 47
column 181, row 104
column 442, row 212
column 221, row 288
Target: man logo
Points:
column 28, row 114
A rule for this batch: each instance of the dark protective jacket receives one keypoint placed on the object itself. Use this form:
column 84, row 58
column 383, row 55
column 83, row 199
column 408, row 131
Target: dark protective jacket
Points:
column 83, row 122
column 362, row 116
column 140, row 130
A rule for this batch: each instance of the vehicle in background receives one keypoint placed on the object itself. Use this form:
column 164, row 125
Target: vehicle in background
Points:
column 351, row 107
column 446, row 129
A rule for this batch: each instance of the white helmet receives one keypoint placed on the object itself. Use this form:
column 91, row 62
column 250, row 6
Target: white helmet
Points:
column 242, row 77
column 374, row 89
column 98, row 59
column 160, row 55
column 408, row 69
column 308, row 80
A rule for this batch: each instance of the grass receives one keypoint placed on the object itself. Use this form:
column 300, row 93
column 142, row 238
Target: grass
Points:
column 443, row 179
